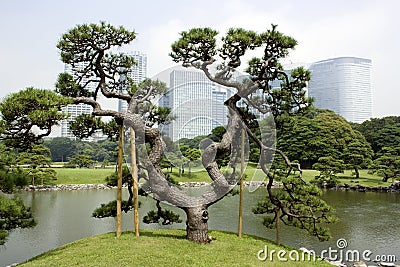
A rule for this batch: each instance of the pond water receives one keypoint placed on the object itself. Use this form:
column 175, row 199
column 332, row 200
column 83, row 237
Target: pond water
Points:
column 368, row 221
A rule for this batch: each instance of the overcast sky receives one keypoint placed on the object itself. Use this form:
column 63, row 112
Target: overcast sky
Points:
column 30, row 30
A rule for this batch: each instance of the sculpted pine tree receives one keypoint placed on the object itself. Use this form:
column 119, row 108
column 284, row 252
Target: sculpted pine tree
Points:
column 87, row 48
column 198, row 48
column 26, row 117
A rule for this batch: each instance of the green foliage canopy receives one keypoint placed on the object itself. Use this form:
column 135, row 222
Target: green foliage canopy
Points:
column 323, row 133
column 28, row 115
column 381, row 132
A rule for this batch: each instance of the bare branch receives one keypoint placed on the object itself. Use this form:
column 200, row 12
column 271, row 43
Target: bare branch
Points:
column 217, row 78
column 146, row 97
column 113, row 94
column 97, row 110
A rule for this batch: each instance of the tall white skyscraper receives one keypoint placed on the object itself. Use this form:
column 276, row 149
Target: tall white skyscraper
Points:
column 343, row 85
column 137, row 74
column 74, row 110
column 196, row 103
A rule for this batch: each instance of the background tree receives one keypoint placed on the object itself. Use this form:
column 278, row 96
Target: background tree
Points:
column 387, row 163
column 191, row 155
column 357, row 154
column 328, row 167
column 322, row 133
column 38, row 159
column 61, row 148
column 198, row 48
column 82, row 161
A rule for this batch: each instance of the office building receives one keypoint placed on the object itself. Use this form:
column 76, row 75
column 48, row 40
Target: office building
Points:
column 196, row 103
column 138, row 73
column 343, row 85
column 75, row 110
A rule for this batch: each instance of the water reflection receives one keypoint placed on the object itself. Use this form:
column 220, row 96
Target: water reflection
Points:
column 368, row 221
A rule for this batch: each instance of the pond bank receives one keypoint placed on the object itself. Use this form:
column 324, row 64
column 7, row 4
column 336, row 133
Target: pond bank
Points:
column 71, row 187
column 393, row 188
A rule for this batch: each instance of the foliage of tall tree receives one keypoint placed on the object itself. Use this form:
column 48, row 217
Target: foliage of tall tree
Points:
column 198, row 48
column 28, row 115
column 13, row 214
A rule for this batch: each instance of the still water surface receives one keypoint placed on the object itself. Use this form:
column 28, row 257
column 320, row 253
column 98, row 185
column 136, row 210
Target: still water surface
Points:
column 369, row 221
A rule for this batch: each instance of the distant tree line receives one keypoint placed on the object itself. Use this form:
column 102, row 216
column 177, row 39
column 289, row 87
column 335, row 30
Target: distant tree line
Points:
column 64, row 149
column 321, row 140
column 383, row 134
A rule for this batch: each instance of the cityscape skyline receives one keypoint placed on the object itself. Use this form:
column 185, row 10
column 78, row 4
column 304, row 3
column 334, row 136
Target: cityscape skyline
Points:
column 197, row 103
column 366, row 29
column 342, row 85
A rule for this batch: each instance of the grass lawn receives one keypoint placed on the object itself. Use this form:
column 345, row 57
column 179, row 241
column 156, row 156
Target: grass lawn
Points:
column 164, row 248
column 365, row 179
column 97, row 176
column 200, row 175
column 81, row 176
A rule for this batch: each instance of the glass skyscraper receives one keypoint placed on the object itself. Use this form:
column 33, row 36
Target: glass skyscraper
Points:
column 196, row 103
column 343, row 85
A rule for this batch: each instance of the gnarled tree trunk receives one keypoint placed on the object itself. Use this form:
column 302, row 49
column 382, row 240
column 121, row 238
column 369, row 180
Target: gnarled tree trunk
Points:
column 197, row 224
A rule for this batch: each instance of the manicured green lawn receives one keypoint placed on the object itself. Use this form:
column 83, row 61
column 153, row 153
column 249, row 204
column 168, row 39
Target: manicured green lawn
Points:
column 81, row 176
column 97, row 176
column 365, row 179
column 164, row 248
